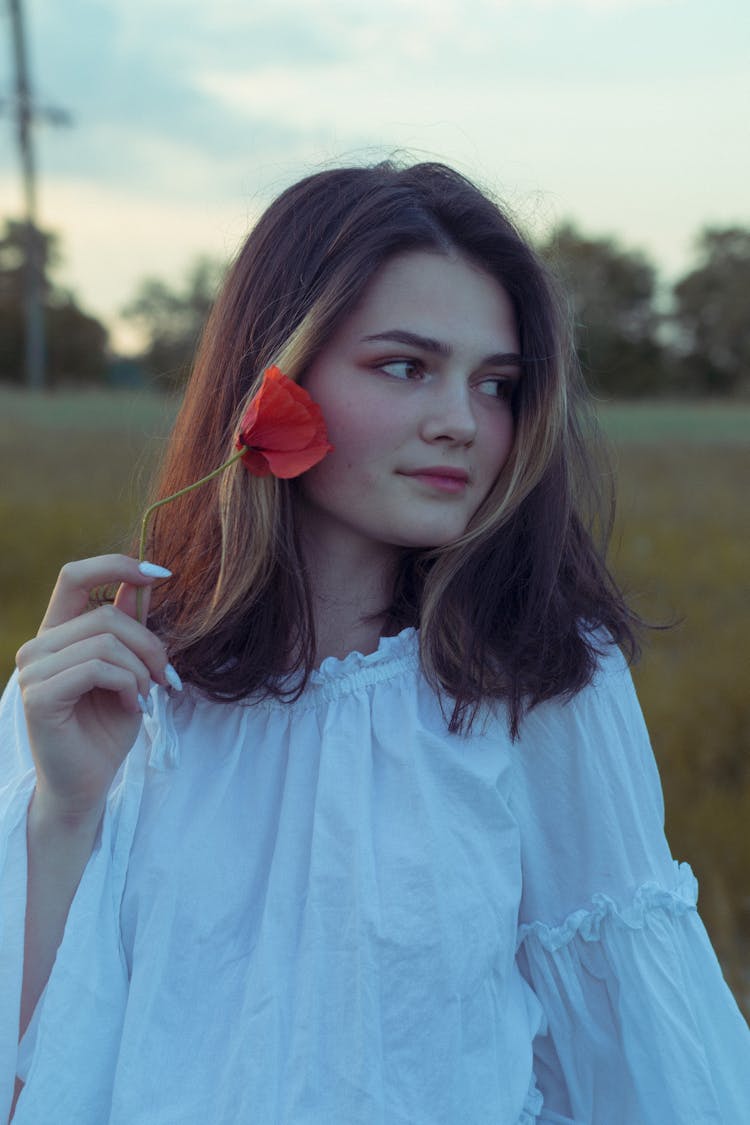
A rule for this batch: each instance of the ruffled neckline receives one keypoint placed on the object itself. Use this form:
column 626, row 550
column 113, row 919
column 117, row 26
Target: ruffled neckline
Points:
column 336, row 677
column 389, row 650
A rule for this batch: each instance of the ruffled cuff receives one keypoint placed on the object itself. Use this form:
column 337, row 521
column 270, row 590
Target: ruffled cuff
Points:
column 642, row 1026
column 587, row 924
column 159, row 728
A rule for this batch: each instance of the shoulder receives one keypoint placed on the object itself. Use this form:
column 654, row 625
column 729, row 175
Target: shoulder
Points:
column 586, row 791
column 599, row 730
column 604, row 714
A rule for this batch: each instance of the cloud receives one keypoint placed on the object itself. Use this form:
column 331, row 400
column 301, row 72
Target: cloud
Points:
column 180, row 96
column 125, row 73
column 189, row 115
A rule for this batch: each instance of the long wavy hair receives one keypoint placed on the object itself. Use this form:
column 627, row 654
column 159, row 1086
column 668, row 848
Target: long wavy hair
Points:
column 509, row 611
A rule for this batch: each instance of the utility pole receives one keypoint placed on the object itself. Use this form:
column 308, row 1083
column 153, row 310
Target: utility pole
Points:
column 25, row 115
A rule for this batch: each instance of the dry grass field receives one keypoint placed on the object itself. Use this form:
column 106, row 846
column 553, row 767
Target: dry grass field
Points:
column 73, row 469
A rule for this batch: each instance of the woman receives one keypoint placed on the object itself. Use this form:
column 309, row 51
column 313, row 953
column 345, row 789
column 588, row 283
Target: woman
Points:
column 396, row 852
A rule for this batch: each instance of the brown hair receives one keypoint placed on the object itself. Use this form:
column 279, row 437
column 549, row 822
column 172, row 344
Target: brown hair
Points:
column 506, row 612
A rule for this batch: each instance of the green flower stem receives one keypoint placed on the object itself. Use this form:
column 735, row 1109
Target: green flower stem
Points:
column 150, row 510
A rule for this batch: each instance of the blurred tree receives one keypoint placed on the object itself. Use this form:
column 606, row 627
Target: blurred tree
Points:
column 612, row 296
column 172, row 319
column 13, row 255
column 711, row 311
column 76, row 342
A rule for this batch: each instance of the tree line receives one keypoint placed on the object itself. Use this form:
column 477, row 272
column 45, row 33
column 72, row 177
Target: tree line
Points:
column 635, row 337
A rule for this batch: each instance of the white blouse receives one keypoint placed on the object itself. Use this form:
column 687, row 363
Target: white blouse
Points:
column 335, row 912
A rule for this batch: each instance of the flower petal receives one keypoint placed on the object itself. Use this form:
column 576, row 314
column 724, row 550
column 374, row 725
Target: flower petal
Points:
column 293, row 462
column 256, row 463
column 282, row 430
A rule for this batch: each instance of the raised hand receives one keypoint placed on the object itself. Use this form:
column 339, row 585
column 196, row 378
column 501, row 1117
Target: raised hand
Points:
column 81, row 678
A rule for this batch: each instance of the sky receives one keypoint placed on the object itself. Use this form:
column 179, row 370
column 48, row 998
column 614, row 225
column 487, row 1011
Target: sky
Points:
column 629, row 117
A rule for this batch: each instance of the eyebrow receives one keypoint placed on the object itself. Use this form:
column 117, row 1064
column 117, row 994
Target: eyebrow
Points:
column 438, row 347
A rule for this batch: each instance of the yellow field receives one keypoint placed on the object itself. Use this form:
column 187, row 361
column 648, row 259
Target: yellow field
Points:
column 73, row 469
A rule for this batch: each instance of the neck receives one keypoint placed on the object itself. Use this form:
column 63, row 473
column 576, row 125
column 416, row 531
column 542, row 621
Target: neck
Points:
column 351, row 590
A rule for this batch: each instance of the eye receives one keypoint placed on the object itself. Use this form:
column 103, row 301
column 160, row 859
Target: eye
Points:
column 402, row 368
column 500, row 387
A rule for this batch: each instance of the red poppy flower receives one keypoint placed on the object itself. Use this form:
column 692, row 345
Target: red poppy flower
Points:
column 282, row 431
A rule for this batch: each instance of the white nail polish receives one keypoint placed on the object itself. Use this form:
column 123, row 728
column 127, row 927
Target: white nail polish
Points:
column 142, row 704
column 172, row 678
column 151, row 570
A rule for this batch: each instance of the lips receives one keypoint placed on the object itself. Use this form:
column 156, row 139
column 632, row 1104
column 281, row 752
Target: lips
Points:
column 440, row 471
column 441, row 479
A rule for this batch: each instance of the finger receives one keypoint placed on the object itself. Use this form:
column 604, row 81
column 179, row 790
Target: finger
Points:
column 105, row 648
column 56, row 698
column 125, row 600
column 76, row 580
column 107, row 620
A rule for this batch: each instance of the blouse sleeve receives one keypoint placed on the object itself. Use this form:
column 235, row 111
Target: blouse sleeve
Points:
column 16, row 786
column 641, row 1026
column 89, row 974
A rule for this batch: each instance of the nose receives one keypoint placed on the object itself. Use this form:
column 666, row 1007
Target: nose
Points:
column 449, row 414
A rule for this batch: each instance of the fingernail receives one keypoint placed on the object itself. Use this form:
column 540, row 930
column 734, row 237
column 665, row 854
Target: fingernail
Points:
column 151, row 570
column 172, row 678
column 142, row 704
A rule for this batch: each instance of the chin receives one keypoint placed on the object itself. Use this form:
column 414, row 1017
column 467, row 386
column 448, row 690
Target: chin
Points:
column 430, row 540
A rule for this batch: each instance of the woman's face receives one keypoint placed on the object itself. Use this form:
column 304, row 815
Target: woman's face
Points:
column 415, row 388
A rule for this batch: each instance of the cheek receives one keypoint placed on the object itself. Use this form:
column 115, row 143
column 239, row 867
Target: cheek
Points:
column 359, row 432
column 498, row 445
column 362, row 439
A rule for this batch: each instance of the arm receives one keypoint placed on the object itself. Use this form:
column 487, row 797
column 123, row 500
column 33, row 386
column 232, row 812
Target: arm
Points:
column 641, row 1023
column 58, row 851
column 80, row 680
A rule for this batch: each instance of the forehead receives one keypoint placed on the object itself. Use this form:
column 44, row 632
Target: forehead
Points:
column 440, row 295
